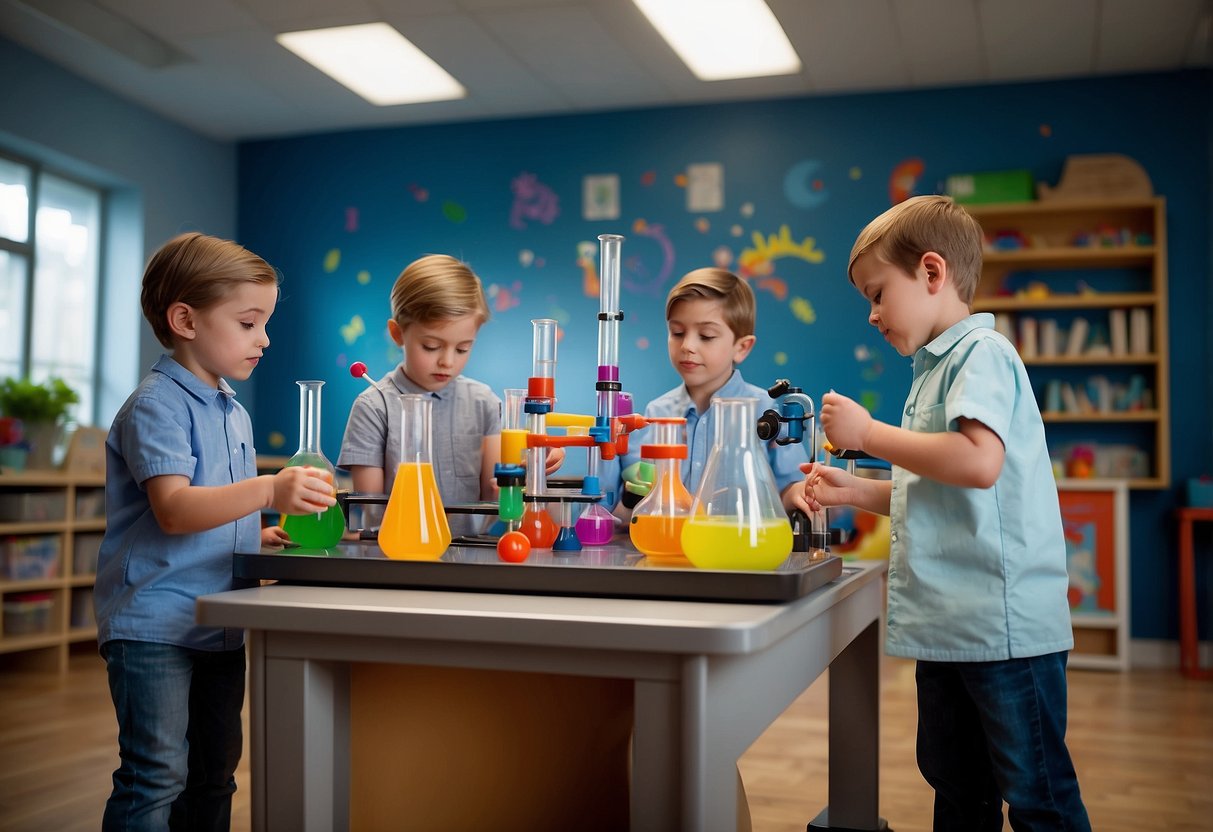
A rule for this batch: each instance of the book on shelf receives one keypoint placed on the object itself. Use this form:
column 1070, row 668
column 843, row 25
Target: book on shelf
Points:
column 1076, row 340
column 1050, row 338
column 1027, row 337
column 1139, row 331
column 1118, row 331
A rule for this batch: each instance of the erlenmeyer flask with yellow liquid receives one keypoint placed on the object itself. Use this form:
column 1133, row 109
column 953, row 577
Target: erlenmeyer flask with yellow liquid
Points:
column 737, row 520
column 657, row 520
column 324, row 528
column 414, row 524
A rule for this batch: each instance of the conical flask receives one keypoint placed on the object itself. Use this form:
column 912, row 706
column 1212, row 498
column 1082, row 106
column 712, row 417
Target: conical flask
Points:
column 414, row 523
column 657, row 520
column 737, row 520
column 324, row 528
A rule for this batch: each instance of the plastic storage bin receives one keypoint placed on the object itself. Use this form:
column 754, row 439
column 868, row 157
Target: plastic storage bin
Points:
column 83, row 615
column 32, row 506
column 30, row 557
column 28, row 613
column 84, row 558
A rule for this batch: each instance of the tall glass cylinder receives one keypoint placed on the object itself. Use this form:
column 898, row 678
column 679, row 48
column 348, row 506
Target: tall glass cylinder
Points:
column 513, row 427
column 414, row 524
column 324, row 528
column 737, row 520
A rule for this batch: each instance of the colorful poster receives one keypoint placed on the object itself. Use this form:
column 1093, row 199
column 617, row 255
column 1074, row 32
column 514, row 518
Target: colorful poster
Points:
column 1089, row 523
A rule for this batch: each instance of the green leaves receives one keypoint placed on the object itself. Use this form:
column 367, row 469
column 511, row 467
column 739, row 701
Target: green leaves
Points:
column 30, row 402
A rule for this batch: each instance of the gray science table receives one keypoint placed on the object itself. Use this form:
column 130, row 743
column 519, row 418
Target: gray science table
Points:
column 707, row 679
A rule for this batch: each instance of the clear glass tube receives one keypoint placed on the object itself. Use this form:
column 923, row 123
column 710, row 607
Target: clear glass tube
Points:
column 324, row 528
column 513, row 427
column 543, row 348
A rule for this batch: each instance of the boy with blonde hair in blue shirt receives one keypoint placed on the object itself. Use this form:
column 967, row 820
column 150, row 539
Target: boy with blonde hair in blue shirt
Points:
column 181, row 496
column 977, row 561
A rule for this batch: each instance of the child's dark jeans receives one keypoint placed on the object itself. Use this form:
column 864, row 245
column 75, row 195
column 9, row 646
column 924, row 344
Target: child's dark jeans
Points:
column 990, row 732
column 179, row 736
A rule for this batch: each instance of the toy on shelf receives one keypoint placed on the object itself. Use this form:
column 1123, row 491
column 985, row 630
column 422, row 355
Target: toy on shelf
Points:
column 605, row 434
column 1099, row 176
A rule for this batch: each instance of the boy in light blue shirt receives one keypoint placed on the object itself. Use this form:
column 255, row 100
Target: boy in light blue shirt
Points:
column 710, row 316
column 977, row 562
column 181, row 496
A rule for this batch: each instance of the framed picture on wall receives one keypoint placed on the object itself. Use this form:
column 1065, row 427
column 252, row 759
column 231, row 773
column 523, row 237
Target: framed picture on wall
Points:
column 1095, row 521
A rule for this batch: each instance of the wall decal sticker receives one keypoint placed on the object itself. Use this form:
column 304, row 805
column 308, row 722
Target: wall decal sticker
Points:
column 803, row 311
column 363, row 277
column 653, row 287
column 587, row 261
column 332, row 260
column 758, row 260
column 600, row 196
column 419, row 193
column 501, row 297
column 351, row 219
column 354, row 330
column 648, row 178
column 705, row 187
column 802, row 185
column 454, row 212
column 904, row 179
column 533, row 200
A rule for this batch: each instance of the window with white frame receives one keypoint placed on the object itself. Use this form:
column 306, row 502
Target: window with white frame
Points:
column 50, row 255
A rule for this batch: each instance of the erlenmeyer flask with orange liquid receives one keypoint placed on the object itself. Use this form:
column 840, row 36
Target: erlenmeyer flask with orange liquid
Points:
column 737, row 520
column 657, row 520
column 414, row 524
column 324, row 528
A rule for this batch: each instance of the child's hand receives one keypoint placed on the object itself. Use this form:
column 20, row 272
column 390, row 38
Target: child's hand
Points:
column 845, row 421
column 302, row 489
column 554, row 460
column 273, row 537
column 638, row 477
column 825, row 486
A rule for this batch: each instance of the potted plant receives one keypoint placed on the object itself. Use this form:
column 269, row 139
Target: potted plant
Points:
column 40, row 408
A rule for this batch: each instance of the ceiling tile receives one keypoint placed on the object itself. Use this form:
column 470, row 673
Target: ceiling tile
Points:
column 940, row 41
column 1038, row 38
column 1139, row 37
column 845, row 44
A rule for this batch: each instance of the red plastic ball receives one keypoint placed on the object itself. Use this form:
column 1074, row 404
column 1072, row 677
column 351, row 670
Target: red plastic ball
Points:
column 513, row 547
column 358, row 369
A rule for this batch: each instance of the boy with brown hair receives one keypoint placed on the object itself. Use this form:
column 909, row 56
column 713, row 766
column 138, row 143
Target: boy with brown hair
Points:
column 977, row 561
column 182, row 495
column 710, row 317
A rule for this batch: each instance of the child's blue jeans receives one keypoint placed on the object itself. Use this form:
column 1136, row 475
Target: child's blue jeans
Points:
column 179, row 735
column 990, row 732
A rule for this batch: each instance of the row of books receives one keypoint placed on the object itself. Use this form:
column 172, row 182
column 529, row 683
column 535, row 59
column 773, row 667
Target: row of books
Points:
column 1098, row 395
column 1127, row 332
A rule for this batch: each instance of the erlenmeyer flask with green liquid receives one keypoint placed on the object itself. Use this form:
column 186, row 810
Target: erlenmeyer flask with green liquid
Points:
column 324, row 528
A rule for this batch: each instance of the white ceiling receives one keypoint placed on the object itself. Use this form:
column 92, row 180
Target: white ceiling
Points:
column 214, row 65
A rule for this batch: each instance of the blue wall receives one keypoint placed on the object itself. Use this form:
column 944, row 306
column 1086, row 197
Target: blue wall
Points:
column 342, row 214
column 161, row 179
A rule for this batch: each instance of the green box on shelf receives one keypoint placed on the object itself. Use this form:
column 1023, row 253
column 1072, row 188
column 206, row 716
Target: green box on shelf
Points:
column 991, row 187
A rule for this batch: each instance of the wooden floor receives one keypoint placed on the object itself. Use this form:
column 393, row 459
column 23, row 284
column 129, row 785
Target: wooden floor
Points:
column 1142, row 742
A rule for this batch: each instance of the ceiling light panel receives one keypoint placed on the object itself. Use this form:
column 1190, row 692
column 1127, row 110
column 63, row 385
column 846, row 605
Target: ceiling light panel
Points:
column 722, row 39
column 375, row 61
